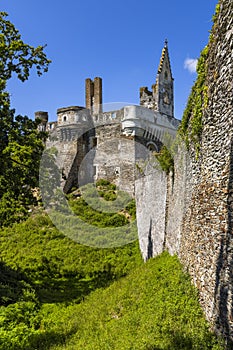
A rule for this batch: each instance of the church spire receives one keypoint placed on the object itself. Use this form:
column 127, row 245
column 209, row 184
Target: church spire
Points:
column 164, row 57
column 161, row 98
column 163, row 88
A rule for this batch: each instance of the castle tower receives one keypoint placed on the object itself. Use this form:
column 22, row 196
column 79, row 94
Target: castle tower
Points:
column 161, row 98
column 43, row 117
column 94, row 97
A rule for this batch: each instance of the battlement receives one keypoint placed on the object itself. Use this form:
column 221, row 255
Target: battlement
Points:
column 43, row 117
column 112, row 136
column 73, row 115
column 144, row 90
column 109, row 117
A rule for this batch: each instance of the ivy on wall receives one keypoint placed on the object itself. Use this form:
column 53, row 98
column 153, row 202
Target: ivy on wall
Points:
column 192, row 122
column 191, row 125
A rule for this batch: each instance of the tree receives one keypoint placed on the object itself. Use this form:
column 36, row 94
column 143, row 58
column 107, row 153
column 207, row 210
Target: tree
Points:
column 20, row 143
column 16, row 56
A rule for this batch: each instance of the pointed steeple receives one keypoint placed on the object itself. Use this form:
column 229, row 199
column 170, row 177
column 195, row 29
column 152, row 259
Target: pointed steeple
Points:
column 164, row 57
column 161, row 98
column 162, row 90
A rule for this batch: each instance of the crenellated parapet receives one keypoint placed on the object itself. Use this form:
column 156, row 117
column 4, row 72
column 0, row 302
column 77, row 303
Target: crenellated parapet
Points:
column 114, row 136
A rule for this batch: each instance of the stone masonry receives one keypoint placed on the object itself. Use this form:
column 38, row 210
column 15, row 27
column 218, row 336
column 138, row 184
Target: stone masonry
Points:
column 197, row 218
column 93, row 144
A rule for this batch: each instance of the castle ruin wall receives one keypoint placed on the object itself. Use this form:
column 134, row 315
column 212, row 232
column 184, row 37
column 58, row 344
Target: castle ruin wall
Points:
column 199, row 198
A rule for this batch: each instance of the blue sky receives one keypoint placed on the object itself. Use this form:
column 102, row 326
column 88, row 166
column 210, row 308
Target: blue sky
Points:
column 120, row 41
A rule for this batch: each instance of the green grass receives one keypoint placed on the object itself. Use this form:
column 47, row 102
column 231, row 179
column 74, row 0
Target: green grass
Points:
column 57, row 294
column 40, row 266
column 59, row 268
column 154, row 307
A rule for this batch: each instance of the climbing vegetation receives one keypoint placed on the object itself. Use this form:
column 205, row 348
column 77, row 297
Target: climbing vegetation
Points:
column 165, row 159
column 191, row 125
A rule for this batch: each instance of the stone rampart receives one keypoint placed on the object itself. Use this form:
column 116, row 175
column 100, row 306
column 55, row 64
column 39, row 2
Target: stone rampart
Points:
column 199, row 196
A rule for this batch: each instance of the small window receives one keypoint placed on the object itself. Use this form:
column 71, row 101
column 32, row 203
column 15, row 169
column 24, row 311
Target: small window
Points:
column 165, row 75
column 64, row 118
column 152, row 147
column 117, row 171
column 94, row 142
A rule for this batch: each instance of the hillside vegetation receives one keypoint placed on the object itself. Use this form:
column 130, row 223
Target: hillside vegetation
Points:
column 57, row 294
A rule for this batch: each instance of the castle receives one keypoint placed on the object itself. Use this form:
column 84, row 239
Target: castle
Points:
column 94, row 144
column 190, row 212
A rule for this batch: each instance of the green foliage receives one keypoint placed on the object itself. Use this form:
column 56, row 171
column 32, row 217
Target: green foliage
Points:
column 217, row 11
column 191, row 125
column 14, row 286
column 58, row 268
column 154, row 307
column 131, row 209
column 93, row 209
column 16, row 56
column 92, row 220
column 106, row 190
column 215, row 20
column 41, row 266
column 18, row 324
column 21, row 145
column 58, row 294
column 19, row 168
column 165, row 159
column 94, row 217
column 102, row 182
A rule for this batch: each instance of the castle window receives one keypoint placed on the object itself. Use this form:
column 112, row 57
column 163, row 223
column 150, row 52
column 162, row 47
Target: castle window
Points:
column 117, row 171
column 152, row 147
column 94, row 142
column 64, row 118
column 165, row 75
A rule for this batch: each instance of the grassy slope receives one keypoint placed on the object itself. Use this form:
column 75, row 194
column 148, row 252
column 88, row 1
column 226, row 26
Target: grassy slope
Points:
column 155, row 307
column 39, row 266
column 59, row 268
column 57, row 294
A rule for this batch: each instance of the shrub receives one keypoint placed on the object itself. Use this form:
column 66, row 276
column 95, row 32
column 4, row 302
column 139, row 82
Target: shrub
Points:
column 165, row 160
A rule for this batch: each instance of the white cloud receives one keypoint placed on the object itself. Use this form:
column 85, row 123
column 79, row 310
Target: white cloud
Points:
column 190, row 64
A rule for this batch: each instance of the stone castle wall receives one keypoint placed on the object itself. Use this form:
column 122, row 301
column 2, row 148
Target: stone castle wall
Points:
column 199, row 198
column 207, row 224
column 150, row 197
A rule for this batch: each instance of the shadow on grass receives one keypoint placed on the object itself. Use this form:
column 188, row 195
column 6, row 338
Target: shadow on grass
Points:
column 13, row 283
column 43, row 341
column 71, row 289
column 179, row 341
